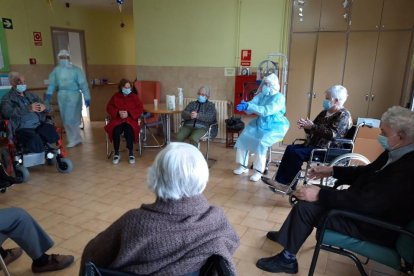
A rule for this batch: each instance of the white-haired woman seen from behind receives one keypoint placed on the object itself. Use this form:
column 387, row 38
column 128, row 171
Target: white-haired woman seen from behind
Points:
column 177, row 233
column 332, row 122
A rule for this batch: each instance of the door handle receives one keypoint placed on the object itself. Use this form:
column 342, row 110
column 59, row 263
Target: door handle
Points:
column 372, row 97
column 366, row 97
column 314, row 95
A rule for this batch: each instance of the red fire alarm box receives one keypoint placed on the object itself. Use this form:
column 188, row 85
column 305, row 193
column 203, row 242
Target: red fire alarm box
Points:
column 245, row 89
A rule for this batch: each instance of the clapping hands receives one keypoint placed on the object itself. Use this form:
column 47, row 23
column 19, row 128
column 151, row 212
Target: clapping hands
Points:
column 242, row 106
column 305, row 123
column 37, row 107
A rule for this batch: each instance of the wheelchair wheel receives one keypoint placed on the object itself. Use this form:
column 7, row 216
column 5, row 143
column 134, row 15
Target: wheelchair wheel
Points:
column 22, row 172
column 345, row 160
column 64, row 165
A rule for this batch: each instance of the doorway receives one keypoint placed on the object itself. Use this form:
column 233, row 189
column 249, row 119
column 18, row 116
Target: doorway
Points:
column 73, row 41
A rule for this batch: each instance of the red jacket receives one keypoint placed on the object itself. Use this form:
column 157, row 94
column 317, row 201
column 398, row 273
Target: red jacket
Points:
column 130, row 103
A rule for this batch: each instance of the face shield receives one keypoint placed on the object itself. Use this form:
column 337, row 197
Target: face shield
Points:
column 270, row 85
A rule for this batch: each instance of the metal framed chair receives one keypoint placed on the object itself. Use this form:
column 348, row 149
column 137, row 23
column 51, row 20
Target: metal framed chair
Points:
column 4, row 267
column 400, row 257
column 215, row 265
column 109, row 150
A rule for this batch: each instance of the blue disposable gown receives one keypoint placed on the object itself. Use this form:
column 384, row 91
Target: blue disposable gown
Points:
column 70, row 81
column 269, row 127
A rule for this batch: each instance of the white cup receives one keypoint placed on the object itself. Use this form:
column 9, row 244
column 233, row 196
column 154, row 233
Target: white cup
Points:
column 155, row 103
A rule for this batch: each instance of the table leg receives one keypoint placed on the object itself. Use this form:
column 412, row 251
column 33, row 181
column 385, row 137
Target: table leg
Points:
column 168, row 129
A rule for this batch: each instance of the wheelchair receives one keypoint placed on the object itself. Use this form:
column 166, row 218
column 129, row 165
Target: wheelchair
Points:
column 110, row 151
column 16, row 159
column 339, row 152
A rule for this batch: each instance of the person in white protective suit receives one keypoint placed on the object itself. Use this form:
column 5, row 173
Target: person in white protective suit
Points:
column 70, row 81
column 269, row 127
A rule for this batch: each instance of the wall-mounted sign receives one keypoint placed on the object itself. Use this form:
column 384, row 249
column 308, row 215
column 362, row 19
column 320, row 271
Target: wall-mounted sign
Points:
column 37, row 38
column 246, row 57
column 7, row 23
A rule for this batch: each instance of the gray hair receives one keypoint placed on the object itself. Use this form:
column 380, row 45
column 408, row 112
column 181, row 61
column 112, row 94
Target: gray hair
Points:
column 338, row 92
column 400, row 119
column 178, row 171
column 13, row 76
column 206, row 90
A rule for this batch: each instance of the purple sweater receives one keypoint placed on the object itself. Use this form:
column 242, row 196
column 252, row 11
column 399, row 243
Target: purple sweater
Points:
column 172, row 237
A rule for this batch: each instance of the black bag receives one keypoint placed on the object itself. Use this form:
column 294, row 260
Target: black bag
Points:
column 234, row 123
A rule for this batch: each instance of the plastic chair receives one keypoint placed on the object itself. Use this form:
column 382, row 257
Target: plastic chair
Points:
column 346, row 245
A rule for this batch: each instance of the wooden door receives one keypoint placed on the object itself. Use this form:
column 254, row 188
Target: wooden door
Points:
column 332, row 16
column 390, row 66
column 306, row 15
column 397, row 15
column 300, row 77
column 329, row 66
column 359, row 70
column 366, row 14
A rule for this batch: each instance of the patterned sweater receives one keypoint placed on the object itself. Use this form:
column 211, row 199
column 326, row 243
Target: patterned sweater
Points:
column 327, row 128
column 172, row 237
column 206, row 115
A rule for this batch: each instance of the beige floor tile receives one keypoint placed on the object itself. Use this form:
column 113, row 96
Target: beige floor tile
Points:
column 74, row 207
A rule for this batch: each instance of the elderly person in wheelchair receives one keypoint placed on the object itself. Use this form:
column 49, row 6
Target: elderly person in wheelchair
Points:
column 27, row 115
column 269, row 127
column 383, row 189
column 197, row 118
column 124, row 109
column 333, row 122
column 177, row 233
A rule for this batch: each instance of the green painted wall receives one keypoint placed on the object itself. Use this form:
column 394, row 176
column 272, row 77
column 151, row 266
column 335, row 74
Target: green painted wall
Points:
column 106, row 41
column 207, row 33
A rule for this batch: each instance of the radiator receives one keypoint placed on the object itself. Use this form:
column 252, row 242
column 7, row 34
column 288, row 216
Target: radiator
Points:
column 222, row 114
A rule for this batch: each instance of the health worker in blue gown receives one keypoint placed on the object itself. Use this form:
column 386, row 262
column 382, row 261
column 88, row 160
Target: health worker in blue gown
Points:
column 70, row 82
column 268, row 127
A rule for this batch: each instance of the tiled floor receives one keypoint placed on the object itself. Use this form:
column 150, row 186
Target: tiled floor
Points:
column 74, row 207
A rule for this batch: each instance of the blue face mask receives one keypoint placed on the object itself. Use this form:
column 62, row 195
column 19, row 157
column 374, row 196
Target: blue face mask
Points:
column 326, row 104
column 21, row 88
column 202, row 99
column 266, row 90
column 126, row 91
column 384, row 142
column 64, row 62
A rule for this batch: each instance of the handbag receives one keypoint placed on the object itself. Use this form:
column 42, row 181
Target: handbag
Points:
column 234, row 123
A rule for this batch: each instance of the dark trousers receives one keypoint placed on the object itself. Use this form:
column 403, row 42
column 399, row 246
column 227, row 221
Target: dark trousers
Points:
column 291, row 162
column 33, row 140
column 304, row 216
column 128, row 134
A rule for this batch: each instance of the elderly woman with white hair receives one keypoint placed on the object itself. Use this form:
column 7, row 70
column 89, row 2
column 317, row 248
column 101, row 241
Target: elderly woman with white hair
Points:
column 333, row 122
column 269, row 127
column 69, row 80
column 198, row 116
column 177, row 233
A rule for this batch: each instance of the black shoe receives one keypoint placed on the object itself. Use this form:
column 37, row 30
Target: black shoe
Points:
column 276, row 264
column 272, row 235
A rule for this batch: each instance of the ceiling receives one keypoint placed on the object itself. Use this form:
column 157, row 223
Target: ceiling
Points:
column 100, row 4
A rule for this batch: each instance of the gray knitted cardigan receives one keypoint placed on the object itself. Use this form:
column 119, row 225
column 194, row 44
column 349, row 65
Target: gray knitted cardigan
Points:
column 206, row 116
column 172, row 237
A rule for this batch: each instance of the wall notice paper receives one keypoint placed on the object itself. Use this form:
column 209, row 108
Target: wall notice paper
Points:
column 170, row 102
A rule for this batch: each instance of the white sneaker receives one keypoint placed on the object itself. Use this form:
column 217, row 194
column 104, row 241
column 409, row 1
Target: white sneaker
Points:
column 256, row 176
column 116, row 159
column 240, row 170
column 131, row 159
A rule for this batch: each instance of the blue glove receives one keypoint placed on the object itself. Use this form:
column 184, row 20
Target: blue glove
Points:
column 48, row 98
column 87, row 103
column 242, row 106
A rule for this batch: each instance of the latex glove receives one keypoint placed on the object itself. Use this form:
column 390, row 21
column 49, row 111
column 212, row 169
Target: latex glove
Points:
column 87, row 103
column 48, row 98
column 242, row 106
